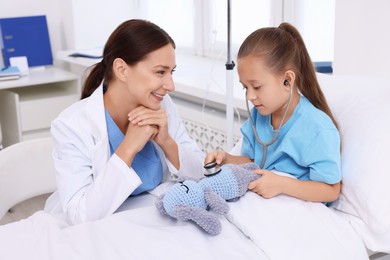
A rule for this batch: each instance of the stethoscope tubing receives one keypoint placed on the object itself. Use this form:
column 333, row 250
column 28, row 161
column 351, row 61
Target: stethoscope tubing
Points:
column 265, row 145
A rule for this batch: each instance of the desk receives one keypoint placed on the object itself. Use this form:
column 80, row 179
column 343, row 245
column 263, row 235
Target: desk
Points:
column 79, row 61
column 29, row 104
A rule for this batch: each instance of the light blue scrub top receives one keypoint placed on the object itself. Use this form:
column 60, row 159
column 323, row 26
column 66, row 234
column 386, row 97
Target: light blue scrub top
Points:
column 146, row 163
column 308, row 145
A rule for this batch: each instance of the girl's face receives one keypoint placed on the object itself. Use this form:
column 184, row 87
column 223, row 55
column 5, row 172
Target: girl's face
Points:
column 151, row 79
column 264, row 89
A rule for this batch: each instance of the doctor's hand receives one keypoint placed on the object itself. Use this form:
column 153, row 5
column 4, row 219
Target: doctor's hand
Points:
column 134, row 140
column 143, row 116
column 268, row 186
column 138, row 136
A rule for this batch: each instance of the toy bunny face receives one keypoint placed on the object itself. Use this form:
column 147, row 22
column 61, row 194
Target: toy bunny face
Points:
column 188, row 193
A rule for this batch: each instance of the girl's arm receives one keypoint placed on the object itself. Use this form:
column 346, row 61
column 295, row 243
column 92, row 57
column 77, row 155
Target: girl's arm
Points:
column 221, row 157
column 271, row 184
column 237, row 159
column 311, row 190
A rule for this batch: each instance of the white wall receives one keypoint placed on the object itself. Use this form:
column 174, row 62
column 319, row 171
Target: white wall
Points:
column 90, row 22
column 362, row 38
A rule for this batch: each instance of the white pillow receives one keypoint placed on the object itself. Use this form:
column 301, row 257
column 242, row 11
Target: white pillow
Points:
column 362, row 108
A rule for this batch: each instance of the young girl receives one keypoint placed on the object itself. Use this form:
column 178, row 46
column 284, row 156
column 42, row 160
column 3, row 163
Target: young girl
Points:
column 125, row 136
column 290, row 117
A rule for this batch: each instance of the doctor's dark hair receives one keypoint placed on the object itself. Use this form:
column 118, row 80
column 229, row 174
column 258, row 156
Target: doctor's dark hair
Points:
column 282, row 48
column 131, row 41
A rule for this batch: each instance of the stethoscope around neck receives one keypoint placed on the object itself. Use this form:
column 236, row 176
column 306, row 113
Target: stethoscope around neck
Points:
column 265, row 145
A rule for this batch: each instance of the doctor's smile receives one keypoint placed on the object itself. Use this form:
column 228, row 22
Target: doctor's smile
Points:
column 158, row 96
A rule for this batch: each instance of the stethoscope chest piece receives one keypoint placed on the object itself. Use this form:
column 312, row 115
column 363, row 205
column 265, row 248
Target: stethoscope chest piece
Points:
column 211, row 169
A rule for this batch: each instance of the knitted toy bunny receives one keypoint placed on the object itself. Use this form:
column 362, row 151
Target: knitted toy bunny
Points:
column 190, row 200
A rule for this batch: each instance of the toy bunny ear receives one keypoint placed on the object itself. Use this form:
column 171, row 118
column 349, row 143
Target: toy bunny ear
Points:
column 216, row 202
column 206, row 220
column 160, row 205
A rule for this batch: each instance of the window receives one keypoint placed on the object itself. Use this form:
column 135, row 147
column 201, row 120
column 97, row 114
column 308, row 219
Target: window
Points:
column 200, row 26
column 245, row 17
column 174, row 16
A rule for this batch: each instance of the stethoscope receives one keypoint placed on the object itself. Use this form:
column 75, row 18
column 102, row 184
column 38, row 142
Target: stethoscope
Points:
column 265, row 145
column 212, row 168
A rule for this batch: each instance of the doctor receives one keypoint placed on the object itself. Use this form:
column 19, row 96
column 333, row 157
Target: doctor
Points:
column 124, row 137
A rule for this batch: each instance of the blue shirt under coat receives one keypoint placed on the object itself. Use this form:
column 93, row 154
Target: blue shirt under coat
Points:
column 146, row 163
column 308, row 145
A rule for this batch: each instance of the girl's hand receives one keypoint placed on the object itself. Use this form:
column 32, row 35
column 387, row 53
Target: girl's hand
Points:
column 216, row 156
column 268, row 185
column 142, row 116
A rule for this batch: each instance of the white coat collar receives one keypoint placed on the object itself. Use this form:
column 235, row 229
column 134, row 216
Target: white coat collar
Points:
column 96, row 115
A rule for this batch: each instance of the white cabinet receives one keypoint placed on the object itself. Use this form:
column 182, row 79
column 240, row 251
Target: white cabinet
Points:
column 29, row 104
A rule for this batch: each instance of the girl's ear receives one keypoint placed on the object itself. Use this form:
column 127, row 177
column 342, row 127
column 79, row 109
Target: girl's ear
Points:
column 120, row 69
column 289, row 77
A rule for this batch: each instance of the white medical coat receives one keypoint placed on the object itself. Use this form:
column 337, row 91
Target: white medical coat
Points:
column 93, row 184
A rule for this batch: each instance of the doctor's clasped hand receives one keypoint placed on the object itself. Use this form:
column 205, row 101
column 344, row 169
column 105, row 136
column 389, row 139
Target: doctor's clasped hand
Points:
column 157, row 121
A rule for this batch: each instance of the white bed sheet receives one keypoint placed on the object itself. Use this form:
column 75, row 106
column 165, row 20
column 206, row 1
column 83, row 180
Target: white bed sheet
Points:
column 140, row 233
column 289, row 228
column 256, row 228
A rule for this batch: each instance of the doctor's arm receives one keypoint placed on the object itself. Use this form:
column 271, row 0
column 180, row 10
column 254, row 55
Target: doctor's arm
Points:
column 91, row 184
column 189, row 154
column 158, row 120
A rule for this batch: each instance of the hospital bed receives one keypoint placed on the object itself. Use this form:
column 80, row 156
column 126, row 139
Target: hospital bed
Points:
column 356, row 226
